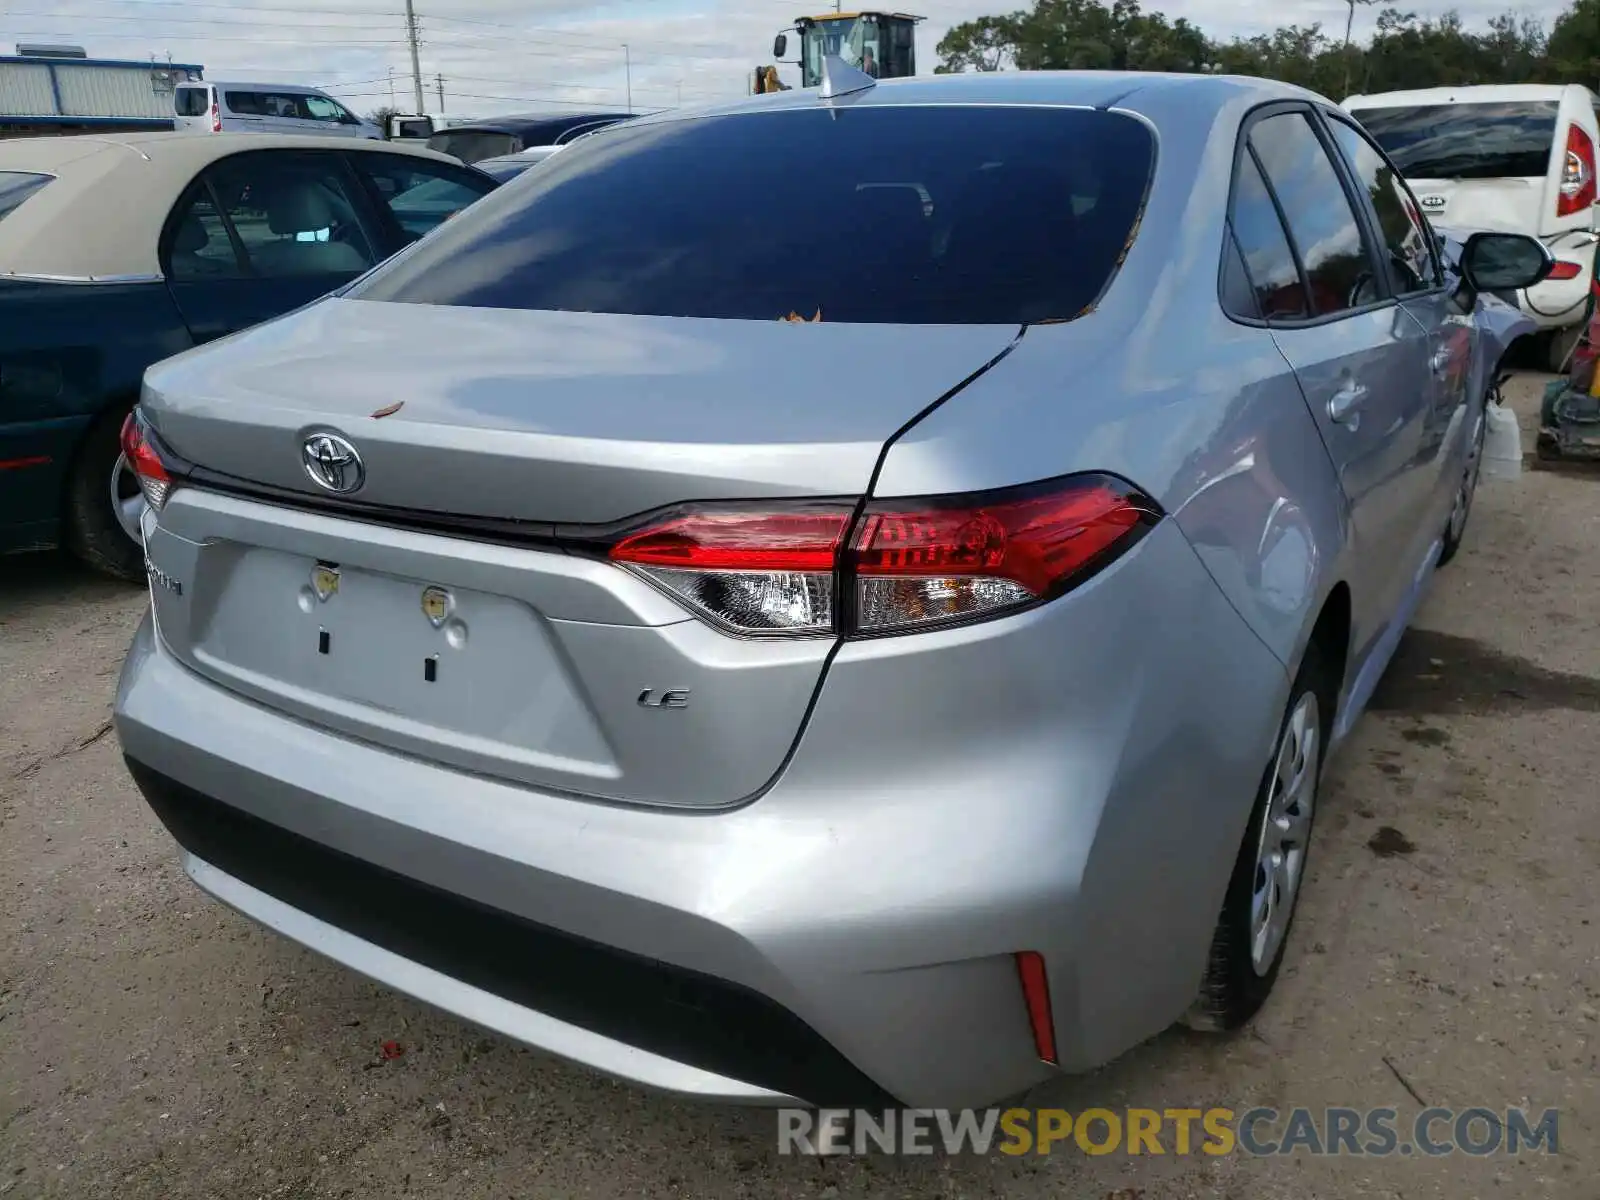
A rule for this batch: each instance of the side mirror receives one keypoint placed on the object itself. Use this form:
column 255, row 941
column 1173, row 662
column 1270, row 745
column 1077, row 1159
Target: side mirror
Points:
column 780, row 45
column 1505, row 262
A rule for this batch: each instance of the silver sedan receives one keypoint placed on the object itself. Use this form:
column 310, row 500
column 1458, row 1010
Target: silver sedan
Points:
column 844, row 595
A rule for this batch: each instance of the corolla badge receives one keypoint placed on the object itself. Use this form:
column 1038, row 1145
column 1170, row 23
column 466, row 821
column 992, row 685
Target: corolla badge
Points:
column 332, row 463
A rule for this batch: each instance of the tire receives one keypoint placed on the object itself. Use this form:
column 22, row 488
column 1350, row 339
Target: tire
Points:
column 1246, row 951
column 1461, row 508
column 1556, row 347
column 94, row 533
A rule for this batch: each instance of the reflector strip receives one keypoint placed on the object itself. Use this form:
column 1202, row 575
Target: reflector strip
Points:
column 1036, row 994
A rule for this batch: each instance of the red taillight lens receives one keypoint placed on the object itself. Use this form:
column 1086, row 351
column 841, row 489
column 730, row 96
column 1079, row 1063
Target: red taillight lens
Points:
column 942, row 560
column 1564, row 270
column 1577, row 174
column 216, row 117
column 910, row 564
column 144, row 460
column 755, row 572
column 1036, row 995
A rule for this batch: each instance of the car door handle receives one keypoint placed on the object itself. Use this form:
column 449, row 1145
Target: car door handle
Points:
column 1344, row 406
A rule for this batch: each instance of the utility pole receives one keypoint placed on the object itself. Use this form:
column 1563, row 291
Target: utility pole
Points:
column 627, row 67
column 441, row 92
column 1349, row 28
column 391, row 88
column 416, row 65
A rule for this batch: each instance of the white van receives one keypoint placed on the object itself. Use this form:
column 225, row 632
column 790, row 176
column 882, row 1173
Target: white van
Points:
column 209, row 106
column 1519, row 158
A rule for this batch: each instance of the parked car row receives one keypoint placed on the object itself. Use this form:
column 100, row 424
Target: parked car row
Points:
column 773, row 674
column 1521, row 158
column 118, row 251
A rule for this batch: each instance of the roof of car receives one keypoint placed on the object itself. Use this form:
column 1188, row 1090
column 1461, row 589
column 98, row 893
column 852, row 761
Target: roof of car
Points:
column 1083, row 89
column 101, row 216
column 1482, row 93
column 297, row 88
column 532, row 121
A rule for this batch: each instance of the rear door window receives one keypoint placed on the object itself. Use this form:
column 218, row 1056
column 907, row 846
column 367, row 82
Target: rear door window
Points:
column 1502, row 140
column 295, row 214
column 287, row 105
column 913, row 214
column 1268, row 259
column 1322, row 224
column 18, row 186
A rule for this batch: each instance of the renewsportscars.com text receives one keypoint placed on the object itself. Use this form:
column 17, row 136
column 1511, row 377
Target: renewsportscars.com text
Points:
column 1258, row 1132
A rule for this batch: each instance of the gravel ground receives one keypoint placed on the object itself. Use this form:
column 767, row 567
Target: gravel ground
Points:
column 155, row 1045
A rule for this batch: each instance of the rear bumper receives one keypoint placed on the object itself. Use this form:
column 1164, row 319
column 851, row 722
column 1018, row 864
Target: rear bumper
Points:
column 498, row 970
column 1561, row 303
column 1073, row 780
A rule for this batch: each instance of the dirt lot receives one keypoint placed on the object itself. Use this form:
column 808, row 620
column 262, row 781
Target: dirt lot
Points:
column 154, row 1045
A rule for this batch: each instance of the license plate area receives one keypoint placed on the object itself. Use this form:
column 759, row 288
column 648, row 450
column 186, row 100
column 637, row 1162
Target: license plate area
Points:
column 312, row 634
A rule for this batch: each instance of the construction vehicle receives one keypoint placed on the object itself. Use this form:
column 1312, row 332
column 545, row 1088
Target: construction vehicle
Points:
column 881, row 44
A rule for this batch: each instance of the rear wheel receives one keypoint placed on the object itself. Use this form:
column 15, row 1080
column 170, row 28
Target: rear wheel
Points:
column 104, row 504
column 1252, row 932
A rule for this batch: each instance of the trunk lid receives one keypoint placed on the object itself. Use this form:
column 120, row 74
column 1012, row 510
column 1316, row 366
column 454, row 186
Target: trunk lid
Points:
column 558, row 417
column 548, row 669
column 1515, row 205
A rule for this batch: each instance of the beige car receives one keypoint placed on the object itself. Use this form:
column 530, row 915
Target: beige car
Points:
column 119, row 251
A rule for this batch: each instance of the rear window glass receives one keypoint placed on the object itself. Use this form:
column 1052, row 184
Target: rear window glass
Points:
column 192, row 102
column 914, row 214
column 1503, row 140
column 17, row 186
column 472, row 145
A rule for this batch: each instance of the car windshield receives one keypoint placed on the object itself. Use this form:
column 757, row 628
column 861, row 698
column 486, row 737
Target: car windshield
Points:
column 906, row 214
column 17, row 186
column 1502, row 140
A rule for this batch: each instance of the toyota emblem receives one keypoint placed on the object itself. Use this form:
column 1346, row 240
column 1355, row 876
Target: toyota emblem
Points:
column 332, row 463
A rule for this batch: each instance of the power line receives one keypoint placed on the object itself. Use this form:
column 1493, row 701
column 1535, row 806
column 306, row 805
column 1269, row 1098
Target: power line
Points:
column 146, row 35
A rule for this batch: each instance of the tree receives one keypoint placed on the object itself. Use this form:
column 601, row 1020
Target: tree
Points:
column 380, row 117
column 1404, row 51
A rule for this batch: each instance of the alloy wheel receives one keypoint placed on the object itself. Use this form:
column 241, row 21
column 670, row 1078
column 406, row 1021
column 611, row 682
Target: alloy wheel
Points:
column 127, row 499
column 1285, row 832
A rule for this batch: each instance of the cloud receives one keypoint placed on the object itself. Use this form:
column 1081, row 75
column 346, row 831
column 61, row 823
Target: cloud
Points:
column 526, row 55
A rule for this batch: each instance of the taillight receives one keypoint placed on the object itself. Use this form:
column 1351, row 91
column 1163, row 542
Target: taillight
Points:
column 216, row 117
column 909, row 564
column 1577, row 174
column 941, row 560
column 1564, row 270
column 753, row 571
column 138, row 447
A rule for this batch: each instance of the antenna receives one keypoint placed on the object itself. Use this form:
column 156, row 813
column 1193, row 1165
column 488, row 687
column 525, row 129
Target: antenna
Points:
column 839, row 78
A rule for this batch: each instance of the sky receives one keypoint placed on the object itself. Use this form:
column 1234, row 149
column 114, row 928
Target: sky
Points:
column 501, row 56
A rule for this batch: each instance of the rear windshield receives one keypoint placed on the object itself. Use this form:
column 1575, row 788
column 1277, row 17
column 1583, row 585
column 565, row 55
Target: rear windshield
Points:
column 17, row 186
column 192, row 102
column 1466, row 141
column 911, row 214
column 473, row 145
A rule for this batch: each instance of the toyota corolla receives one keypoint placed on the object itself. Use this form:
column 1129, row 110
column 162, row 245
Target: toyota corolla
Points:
column 842, row 596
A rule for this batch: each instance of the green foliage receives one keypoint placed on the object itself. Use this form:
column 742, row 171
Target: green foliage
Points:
column 1397, row 50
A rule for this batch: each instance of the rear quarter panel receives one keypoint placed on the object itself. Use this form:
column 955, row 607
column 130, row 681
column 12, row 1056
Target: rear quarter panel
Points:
column 1158, row 385
column 68, row 352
